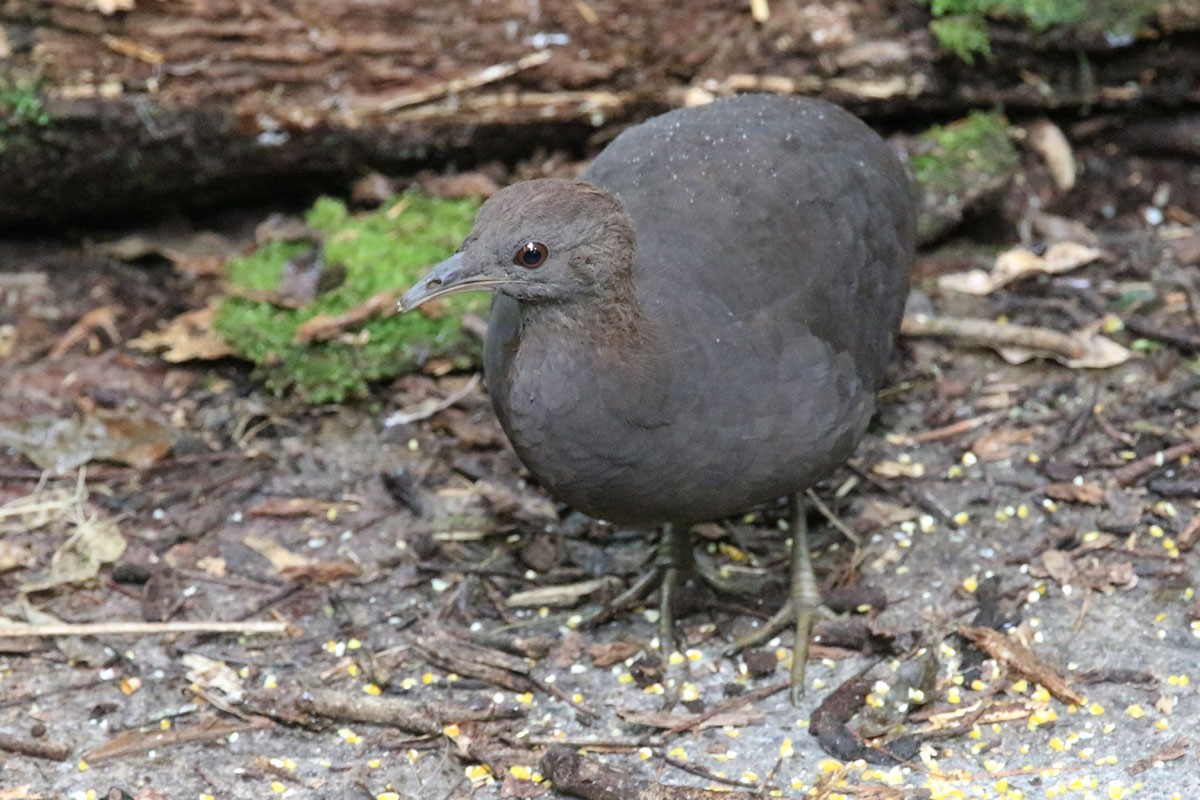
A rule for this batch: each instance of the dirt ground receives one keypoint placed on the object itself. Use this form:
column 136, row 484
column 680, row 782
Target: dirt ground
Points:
column 1025, row 561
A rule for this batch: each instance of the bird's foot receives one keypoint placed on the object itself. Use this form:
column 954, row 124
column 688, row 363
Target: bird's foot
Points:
column 804, row 599
column 780, row 621
column 666, row 575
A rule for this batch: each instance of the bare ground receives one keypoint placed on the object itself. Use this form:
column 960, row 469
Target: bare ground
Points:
column 987, row 495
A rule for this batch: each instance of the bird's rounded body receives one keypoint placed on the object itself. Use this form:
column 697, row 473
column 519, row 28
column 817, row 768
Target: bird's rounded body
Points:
column 774, row 238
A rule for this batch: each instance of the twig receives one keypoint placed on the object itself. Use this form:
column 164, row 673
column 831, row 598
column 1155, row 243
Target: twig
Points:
column 425, row 411
column 141, row 628
column 833, row 518
column 1187, row 537
column 951, row 430
column 409, row 715
column 1136, row 469
column 985, row 333
column 1021, row 659
column 721, row 707
column 324, row 327
column 1182, row 340
column 496, row 72
column 702, row 771
column 51, row 751
column 545, row 105
column 131, row 742
column 103, row 318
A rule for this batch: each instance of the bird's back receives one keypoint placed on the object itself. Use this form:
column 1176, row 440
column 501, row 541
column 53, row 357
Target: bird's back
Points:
column 768, row 205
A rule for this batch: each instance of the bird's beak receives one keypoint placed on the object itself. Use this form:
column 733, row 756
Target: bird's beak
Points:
column 448, row 277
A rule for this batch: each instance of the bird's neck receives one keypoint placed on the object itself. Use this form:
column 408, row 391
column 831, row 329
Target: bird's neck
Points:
column 609, row 327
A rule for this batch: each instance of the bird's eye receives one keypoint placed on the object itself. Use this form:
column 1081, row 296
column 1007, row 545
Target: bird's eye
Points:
column 531, row 255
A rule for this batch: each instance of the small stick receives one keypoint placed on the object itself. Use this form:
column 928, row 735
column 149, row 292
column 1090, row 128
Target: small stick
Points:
column 496, row 72
column 424, row 411
column 51, row 751
column 1136, row 469
column 492, row 106
column 415, row 716
column 952, row 430
column 133, row 742
column 985, row 333
column 833, row 518
column 103, row 318
column 141, row 628
column 324, row 327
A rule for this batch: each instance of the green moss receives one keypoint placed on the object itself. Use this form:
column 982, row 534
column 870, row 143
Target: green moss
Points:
column 20, row 104
column 948, row 154
column 961, row 26
column 379, row 253
column 964, row 36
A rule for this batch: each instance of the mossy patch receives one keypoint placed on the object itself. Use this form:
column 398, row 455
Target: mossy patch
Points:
column 383, row 250
column 20, row 107
column 20, row 103
column 977, row 143
column 961, row 26
column 954, row 165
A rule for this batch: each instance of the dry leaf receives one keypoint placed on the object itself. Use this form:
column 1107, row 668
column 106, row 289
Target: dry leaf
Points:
column 189, row 337
column 1098, row 352
column 1051, row 144
column 882, row 513
column 1059, row 566
column 94, row 543
column 1018, row 263
column 1085, row 492
column 1175, row 750
column 14, row 555
column 280, row 557
column 997, row 445
column 1053, row 228
column 203, row 253
column 430, row 406
column 898, row 469
column 213, row 565
column 605, row 654
column 212, row 674
column 464, row 184
column 1019, row 658
column 338, row 569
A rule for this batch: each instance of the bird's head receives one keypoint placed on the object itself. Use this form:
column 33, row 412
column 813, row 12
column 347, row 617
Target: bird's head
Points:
column 540, row 241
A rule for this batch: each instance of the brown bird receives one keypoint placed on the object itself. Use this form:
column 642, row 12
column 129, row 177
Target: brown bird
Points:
column 699, row 325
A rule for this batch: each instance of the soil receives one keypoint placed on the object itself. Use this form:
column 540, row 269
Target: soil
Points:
column 1023, row 498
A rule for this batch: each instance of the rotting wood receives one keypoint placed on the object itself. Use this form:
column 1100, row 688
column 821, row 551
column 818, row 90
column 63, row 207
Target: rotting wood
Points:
column 204, row 103
column 33, row 748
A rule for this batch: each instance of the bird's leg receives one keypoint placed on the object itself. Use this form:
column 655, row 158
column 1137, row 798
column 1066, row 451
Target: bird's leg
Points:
column 804, row 598
column 670, row 563
column 672, row 559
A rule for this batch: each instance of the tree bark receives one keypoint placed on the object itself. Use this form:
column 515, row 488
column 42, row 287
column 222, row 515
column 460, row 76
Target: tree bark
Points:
column 146, row 103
